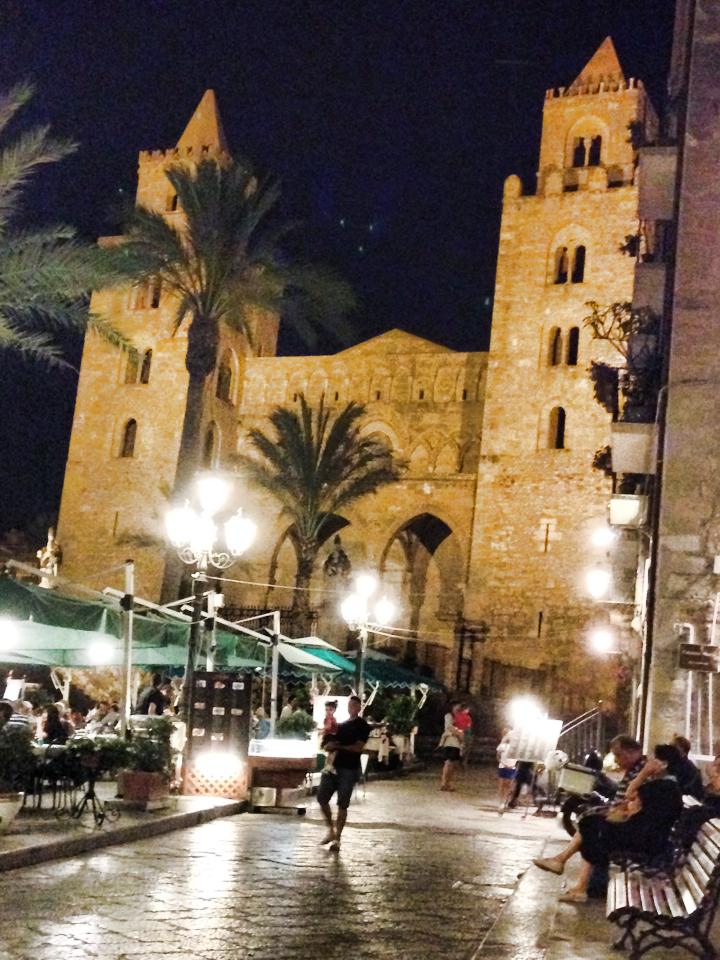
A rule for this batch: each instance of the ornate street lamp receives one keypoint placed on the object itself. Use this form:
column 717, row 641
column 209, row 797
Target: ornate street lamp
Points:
column 360, row 615
column 197, row 539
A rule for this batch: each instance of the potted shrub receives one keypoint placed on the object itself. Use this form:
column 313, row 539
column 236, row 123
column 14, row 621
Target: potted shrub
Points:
column 402, row 717
column 149, row 767
column 17, row 763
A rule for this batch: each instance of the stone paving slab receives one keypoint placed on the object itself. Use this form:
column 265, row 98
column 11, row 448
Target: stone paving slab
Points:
column 37, row 836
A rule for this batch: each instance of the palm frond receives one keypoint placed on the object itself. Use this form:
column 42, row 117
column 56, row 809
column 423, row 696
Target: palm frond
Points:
column 19, row 161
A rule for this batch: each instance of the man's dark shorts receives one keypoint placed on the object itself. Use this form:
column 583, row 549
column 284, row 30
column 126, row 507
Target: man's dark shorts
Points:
column 341, row 782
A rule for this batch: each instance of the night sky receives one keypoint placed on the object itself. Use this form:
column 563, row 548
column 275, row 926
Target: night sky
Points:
column 391, row 124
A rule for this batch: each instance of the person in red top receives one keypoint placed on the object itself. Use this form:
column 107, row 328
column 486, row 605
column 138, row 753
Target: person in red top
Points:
column 463, row 721
column 330, row 726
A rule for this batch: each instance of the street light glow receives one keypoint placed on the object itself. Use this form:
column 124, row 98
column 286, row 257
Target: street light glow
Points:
column 100, row 652
column 602, row 640
column 354, row 609
column 240, row 533
column 603, row 536
column 523, row 710
column 212, row 492
column 177, row 523
column 366, row 584
column 597, row 581
column 384, row 611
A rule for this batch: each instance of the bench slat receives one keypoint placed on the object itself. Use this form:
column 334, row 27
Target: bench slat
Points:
column 703, row 844
column 675, row 906
column 710, row 832
column 616, row 882
column 702, row 867
column 660, row 900
column 686, row 894
column 646, row 894
column 633, row 891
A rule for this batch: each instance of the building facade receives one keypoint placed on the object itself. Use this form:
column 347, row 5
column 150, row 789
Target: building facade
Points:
column 484, row 538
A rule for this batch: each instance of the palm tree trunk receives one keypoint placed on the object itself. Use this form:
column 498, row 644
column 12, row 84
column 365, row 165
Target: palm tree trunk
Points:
column 188, row 462
column 307, row 556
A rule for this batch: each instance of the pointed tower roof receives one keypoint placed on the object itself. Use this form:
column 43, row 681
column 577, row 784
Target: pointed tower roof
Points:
column 603, row 65
column 205, row 127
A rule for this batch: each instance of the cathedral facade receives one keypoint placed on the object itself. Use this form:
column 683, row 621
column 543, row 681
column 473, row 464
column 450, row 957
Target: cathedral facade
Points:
column 484, row 539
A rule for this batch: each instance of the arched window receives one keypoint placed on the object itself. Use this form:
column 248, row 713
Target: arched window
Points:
column 573, row 345
column 145, row 369
column 137, row 296
column 171, row 203
column 561, row 265
column 555, row 347
column 556, row 429
column 594, row 151
column 131, row 365
column 578, row 156
column 154, row 294
column 210, row 444
column 223, row 390
column 127, row 448
column 578, row 270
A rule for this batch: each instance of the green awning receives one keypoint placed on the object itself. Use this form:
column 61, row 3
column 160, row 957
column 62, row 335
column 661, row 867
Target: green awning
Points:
column 388, row 673
column 56, row 630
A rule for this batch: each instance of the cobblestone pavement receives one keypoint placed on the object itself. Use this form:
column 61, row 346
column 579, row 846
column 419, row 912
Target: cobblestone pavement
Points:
column 421, row 875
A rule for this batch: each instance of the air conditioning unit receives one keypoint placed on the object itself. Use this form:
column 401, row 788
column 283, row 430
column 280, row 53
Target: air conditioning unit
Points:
column 633, row 447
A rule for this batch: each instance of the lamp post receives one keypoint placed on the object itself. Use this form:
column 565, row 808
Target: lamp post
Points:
column 358, row 614
column 194, row 534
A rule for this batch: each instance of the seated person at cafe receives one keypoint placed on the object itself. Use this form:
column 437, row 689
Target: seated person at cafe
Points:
column 102, row 719
column 6, row 711
column 22, row 719
column 152, row 700
column 689, row 777
column 55, row 730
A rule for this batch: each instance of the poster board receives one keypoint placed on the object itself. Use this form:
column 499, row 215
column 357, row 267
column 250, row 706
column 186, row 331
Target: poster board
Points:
column 341, row 713
column 534, row 739
column 14, row 689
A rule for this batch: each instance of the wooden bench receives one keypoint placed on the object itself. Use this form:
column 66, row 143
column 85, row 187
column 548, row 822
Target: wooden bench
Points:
column 669, row 909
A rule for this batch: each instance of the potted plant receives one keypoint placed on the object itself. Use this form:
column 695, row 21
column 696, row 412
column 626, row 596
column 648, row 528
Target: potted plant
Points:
column 17, row 763
column 149, row 767
column 402, row 717
column 295, row 727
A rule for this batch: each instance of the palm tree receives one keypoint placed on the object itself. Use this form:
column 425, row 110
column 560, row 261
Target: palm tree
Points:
column 222, row 261
column 316, row 464
column 45, row 274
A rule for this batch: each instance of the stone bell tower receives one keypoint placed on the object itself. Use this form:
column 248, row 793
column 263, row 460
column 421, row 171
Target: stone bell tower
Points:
column 130, row 406
column 538, row 496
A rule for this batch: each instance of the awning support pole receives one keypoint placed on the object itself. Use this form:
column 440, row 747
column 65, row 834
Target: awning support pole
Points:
column 275, row 668
column 126, row 605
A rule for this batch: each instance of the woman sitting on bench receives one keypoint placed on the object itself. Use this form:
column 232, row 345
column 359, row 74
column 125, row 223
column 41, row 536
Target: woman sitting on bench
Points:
column 639, row 826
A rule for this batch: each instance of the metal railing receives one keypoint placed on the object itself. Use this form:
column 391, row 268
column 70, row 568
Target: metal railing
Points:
column 583, row 734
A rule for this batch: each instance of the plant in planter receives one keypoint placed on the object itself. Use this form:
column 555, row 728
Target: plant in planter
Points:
column 150, row 764
column 17, row 763
column 295, row 727
column 402, row 719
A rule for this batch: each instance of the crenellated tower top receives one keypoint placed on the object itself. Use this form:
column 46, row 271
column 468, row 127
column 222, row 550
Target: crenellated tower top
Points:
column 203, row 137
column 586, row 142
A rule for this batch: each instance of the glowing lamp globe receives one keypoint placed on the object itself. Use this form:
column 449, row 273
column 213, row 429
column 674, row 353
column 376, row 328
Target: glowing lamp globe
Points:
column 212, row 493
column 384, row 611
column 598, row 582
column 178, row 524
column 366, row 584
column 240, row 533
column 602, row 640
column 354, row 609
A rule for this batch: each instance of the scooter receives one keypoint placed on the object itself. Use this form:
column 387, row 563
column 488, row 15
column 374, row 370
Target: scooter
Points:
column 579, row 789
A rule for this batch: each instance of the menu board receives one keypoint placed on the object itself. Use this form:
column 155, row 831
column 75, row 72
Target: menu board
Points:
column 221, row 708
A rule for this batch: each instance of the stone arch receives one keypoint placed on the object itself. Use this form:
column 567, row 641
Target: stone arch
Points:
column 227, row 376
column 382, row 429
column 317, row 387
column 401, row 385
column 419, row 460
column 210, row 453
column 287, row 544
column 582, row 138
column 445, row 380
column 422, row 563
column 380, row 387
column 447, row 460
column 563, row 254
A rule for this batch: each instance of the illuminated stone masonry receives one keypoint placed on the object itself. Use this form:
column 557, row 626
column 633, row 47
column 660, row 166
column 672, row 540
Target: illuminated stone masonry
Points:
column 484, row 537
